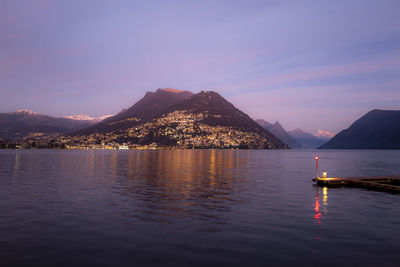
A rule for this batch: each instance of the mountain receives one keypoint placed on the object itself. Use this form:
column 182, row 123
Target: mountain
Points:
column 150, row 106
column 16, row 125
column 84, row 117
column 277, row 130
column 178, row 119
column 219, row 112
column 326, row 135
column 306, row 139
column 378, row 129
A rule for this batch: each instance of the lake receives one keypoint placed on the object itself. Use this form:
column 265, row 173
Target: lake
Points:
column 194, row 208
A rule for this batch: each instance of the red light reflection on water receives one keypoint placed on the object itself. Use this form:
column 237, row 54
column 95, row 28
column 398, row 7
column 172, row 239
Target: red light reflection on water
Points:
column 318, row 214
column 319, row 210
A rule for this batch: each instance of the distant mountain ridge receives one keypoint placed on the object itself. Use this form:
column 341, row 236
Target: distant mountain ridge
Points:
column 308, row 140
column 378, row 129
column 297, row 139
column 277, row 130
column 16, row 125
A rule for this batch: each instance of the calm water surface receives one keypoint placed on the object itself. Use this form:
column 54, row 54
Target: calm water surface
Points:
column 197, row 208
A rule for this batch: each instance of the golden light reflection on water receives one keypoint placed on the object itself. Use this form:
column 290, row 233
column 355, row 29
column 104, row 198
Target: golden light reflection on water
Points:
column 17, row 163
column 181, row 181
column 325, row 195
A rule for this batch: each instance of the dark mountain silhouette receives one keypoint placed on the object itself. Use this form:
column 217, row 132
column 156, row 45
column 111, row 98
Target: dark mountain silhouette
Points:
column 277, row 130
column 222, row 113
column 306, row 139
column 16, row 125
column 166, row 118
column 378, row 129
column 150, row 106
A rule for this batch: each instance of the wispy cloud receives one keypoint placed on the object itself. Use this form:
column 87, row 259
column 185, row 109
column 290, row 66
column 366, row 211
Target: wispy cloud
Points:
column 314, row 107
column 314, row 65
column 270, row 81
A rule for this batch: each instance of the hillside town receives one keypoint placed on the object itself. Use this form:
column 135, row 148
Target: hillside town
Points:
column 175, row 130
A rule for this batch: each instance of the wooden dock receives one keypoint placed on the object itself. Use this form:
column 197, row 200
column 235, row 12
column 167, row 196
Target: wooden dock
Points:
column 382, row 183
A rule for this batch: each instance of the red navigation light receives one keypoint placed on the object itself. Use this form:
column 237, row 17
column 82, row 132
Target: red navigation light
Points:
column 316, row 158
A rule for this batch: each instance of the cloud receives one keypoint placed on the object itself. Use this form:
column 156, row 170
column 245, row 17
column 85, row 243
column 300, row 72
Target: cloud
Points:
column 380, row 63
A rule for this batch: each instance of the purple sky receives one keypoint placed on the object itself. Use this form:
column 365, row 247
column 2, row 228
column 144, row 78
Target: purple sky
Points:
column 308, row 64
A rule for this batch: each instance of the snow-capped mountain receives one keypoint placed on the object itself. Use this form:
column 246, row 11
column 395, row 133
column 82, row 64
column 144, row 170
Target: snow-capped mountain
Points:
column 84, row 117
column 325, row 134
column 24, row 111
